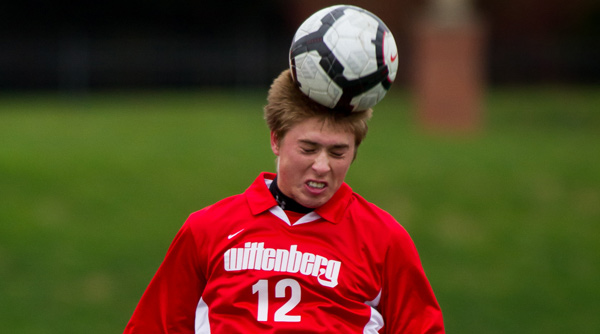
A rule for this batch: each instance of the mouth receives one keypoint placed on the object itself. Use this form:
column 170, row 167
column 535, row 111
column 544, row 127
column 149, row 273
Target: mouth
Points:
column 316, row 185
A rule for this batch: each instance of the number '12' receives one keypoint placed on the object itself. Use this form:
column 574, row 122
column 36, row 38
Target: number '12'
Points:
column 281, row 315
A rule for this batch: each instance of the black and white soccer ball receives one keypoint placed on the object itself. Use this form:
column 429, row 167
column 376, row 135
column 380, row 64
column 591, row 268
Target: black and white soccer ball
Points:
column 344, row 57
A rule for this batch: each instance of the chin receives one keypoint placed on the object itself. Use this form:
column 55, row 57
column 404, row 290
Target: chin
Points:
column 313, row 204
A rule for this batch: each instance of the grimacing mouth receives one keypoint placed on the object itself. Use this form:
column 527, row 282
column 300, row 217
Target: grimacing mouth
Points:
column 316, row 184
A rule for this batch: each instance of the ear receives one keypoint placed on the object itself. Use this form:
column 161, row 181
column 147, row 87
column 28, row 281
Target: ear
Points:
column 274, row 143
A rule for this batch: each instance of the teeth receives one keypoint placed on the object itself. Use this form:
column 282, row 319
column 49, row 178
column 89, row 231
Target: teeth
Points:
column 318, row 185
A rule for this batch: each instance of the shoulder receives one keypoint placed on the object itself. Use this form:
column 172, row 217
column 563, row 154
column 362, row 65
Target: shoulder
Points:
column 214, row 222
column 227, row 207
column 386, row 234
column 373, row 214
column 228, row 213
column 379, row 225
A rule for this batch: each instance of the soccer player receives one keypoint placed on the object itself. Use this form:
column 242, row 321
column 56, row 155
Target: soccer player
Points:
column 298, row 251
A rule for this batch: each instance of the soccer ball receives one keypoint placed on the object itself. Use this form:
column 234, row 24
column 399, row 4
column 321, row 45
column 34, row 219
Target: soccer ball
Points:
column 344, row 58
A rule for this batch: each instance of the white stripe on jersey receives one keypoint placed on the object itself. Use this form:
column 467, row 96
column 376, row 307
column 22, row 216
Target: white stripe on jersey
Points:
column 201, row 322
column 376, row 321
column 278, row 212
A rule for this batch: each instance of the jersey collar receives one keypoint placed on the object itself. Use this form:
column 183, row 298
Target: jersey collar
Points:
column 260, row 199
column 258, row 195
column 333, row 211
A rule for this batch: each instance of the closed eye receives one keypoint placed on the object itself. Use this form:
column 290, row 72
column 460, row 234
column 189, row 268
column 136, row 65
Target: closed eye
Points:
column 336, row 154
column 339, row 151
column 308, row 150
column 335, row 151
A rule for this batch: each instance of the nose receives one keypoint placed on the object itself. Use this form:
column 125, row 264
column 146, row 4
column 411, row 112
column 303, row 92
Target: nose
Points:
column 321, row 163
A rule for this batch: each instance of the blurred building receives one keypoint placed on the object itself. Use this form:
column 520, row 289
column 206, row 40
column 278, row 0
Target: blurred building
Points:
column 158, row 43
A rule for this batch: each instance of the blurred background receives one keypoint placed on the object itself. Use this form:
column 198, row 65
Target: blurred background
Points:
column 77, row 46
column 119, row 118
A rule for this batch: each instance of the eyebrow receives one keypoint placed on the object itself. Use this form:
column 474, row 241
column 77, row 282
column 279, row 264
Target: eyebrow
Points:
column 336, row 146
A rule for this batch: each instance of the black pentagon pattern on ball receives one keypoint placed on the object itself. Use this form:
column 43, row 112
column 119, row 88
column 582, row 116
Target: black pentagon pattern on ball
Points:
column 329, row 63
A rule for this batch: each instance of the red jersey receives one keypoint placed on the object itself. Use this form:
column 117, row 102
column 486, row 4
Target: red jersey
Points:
column 242, row 266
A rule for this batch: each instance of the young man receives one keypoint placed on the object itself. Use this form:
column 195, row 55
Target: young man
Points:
column 298, row 251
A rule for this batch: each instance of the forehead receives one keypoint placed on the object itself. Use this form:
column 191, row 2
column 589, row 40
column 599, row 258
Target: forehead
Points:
column 320, row 131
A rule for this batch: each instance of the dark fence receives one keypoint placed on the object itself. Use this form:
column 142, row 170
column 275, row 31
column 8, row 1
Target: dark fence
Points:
column 108, row 44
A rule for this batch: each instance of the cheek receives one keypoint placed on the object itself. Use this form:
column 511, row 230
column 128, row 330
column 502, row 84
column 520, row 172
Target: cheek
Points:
column 289, row 163
column 292, row 156
column 342, row 168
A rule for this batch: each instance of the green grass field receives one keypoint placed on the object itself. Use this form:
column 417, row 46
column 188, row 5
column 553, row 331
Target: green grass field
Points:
column 93, row 189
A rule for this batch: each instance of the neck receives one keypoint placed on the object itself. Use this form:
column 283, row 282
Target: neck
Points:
column 286, row 202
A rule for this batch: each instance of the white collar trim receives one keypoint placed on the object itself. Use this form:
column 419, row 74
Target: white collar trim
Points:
column 278, row 212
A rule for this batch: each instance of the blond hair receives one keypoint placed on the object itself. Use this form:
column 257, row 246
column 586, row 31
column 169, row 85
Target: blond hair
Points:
column 288, row 106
